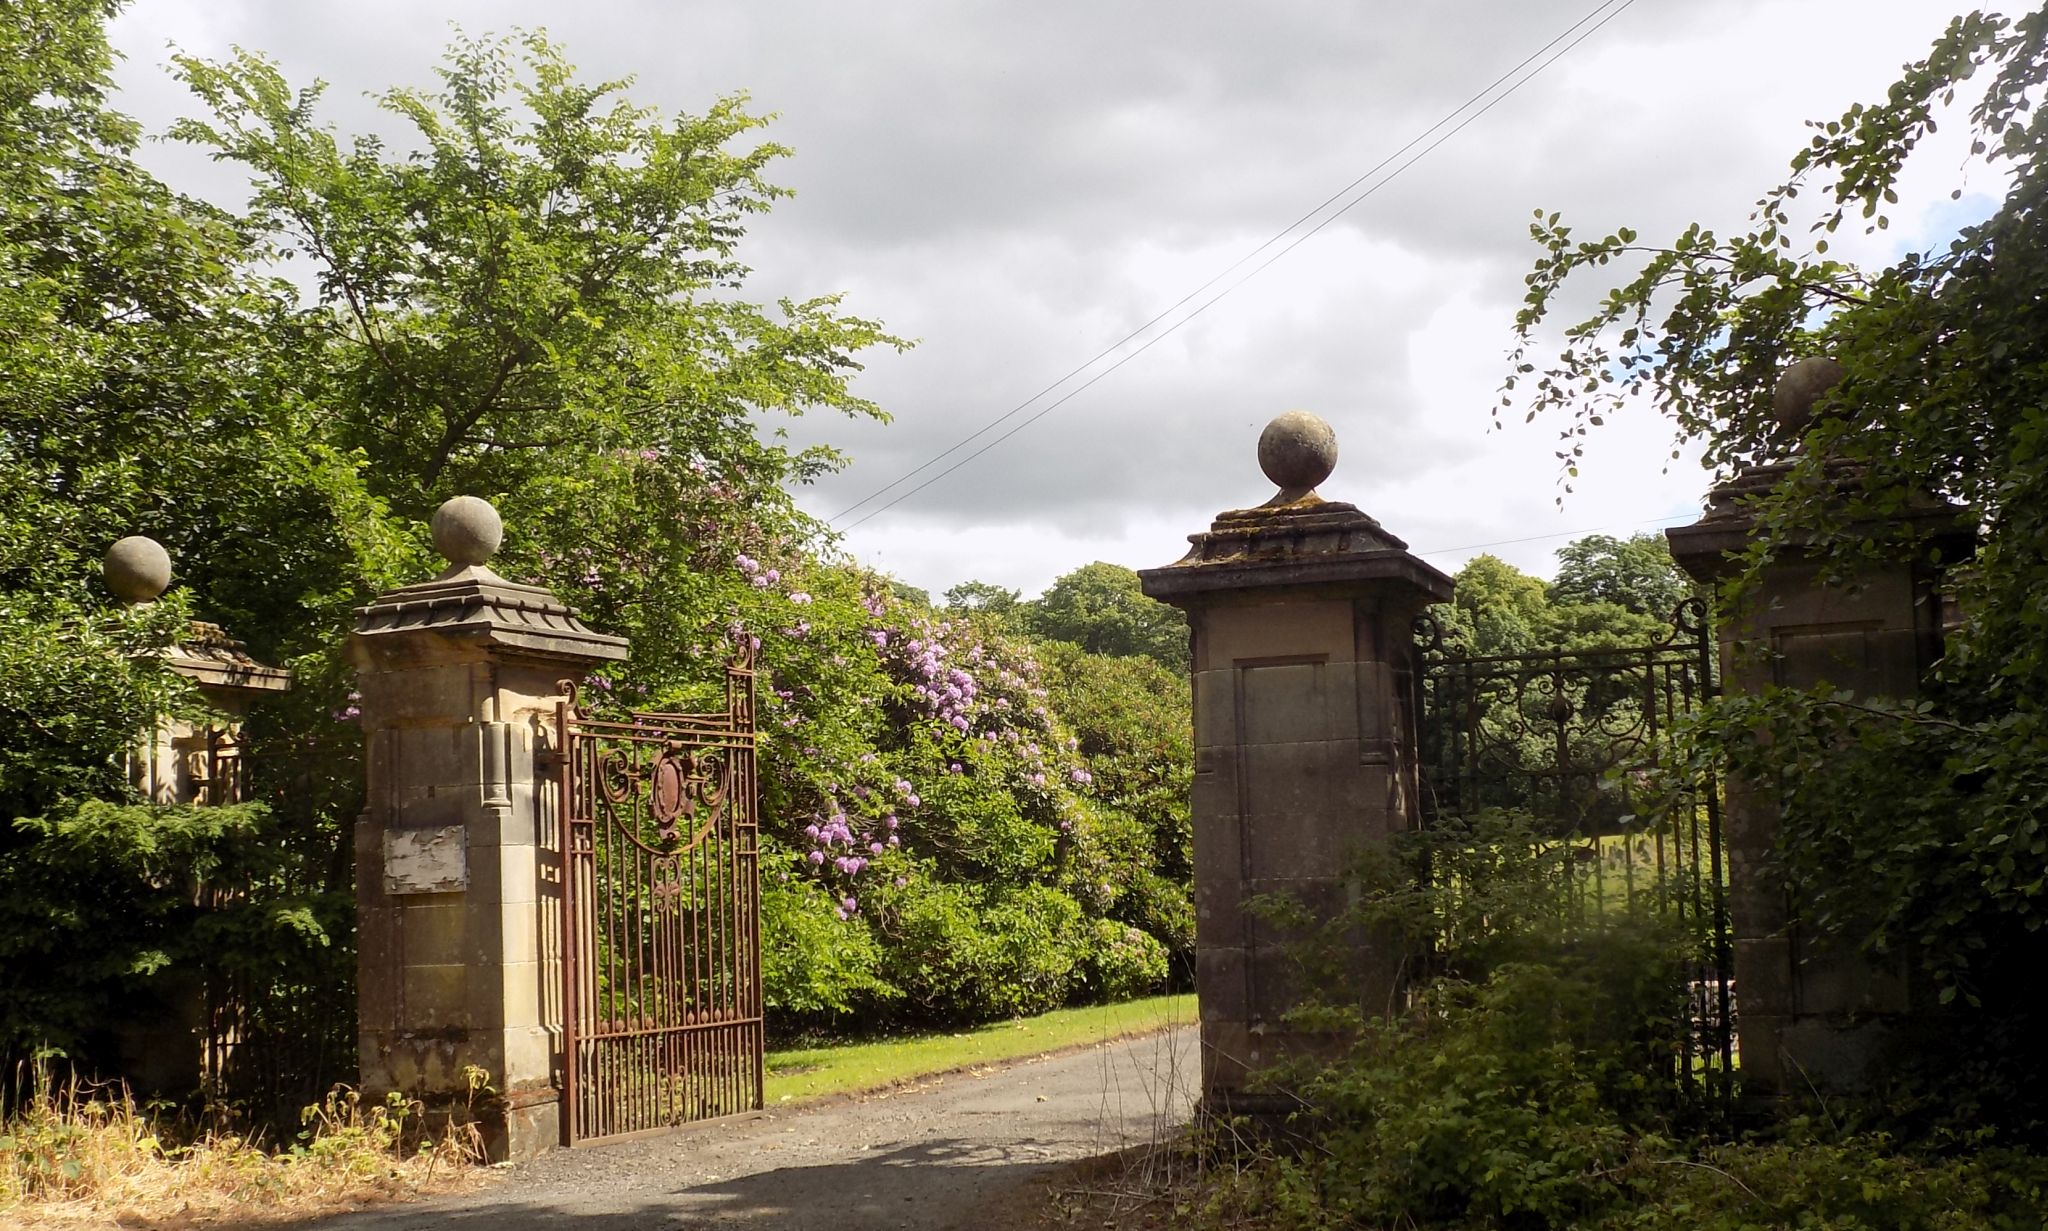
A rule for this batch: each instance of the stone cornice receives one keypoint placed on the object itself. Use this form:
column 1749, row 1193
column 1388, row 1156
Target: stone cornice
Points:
column 209, row 657
column 1728, row 524
column 1306, row 542
column 474, row 602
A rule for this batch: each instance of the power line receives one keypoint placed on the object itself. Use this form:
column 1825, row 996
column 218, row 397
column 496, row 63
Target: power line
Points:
column 1276, row 237
column 1610, row 13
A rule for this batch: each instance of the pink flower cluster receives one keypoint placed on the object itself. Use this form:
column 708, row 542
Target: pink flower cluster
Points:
column 352, row 710
column 987, row 715
column 967, row 688
column 848, row 843
column 947, row 692
column 759, row 577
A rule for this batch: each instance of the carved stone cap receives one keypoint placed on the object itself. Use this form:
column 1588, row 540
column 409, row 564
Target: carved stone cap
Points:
column 1296, row 539
column 1703, row 548
column 473, row 602
column 1320, row 544
column 1285, row 532
column 209, row 657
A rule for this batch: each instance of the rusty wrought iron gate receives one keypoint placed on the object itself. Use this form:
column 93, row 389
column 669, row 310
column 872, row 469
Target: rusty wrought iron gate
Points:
column 1563, row 739
column 661, row 948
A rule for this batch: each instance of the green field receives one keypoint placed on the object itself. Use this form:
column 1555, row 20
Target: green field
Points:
column 814, row 1072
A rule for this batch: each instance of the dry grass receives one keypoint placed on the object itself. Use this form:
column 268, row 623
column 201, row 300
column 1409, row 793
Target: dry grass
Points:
column 1191, row 1176
column 1153, row 1187
column 80, row 1158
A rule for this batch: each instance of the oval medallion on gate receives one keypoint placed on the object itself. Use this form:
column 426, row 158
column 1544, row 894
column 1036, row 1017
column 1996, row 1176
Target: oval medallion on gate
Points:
column 671, row 792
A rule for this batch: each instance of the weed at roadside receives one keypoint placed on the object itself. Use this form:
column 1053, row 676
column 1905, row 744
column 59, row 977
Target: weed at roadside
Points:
column 78, row 1155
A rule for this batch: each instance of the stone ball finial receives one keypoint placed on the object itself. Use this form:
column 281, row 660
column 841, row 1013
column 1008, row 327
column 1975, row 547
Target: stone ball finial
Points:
column 1297, row 450
column 1801, row 388
column 467, row 530
column 137, row 569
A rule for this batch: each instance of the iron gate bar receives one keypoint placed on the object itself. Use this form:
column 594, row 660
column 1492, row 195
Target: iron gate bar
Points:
column 1467, row 768
column 661, row 969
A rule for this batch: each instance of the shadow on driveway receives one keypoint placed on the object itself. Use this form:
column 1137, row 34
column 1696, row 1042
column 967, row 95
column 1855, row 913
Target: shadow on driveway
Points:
column 932, row 1185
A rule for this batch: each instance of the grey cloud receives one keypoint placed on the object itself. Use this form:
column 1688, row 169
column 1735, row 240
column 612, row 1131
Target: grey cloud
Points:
column 987, row 177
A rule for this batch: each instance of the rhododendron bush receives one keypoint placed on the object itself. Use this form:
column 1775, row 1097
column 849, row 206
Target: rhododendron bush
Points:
column 940, row 845
column 958, row 821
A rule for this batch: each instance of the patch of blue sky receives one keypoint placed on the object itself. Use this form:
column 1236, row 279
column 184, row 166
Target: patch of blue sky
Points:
column 1940, row 223
column 1943, row 221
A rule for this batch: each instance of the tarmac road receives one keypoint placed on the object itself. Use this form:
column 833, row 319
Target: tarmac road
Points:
column 952, row 1152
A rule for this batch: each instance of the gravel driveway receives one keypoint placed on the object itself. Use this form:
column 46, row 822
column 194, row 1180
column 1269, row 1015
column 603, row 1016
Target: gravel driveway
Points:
column 949, row 1152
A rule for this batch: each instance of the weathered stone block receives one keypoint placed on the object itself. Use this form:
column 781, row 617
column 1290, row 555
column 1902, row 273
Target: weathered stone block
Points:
column 1229, row 1054
column 1215, row 797
column 420, row 861
column 435, row 996
column 1763, row 973
column 1844, row 983
column 1215, row 709
column 407, row 695
column 519, row 999
column 1221, row 917
column 1291, row 780
column 518, row 932
column 1284, row 703
column 1304, row 845
column 1319, row 899
column 1229, row 635
column 1279, row 982
column 437, row 933
column 1223, row 983
column 1760, row 1049
column 1823, row 1054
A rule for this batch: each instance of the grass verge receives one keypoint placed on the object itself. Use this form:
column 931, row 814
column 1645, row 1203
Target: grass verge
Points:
column 82, row 1159
column 815, row 1072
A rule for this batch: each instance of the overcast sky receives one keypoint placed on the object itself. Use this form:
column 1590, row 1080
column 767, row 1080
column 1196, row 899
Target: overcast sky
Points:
column 1017, row 186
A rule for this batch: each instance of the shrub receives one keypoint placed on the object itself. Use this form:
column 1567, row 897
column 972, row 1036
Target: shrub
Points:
column 934, row 824
column 1534, row 1085
column 1506, row 1102
column 1123, row 962
column 969, row 953
column 813, row 964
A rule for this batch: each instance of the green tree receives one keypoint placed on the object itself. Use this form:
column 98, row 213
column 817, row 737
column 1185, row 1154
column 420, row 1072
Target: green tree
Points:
column 1911, row 829
column 1636, row 572
column 982, row 596
column 1100, row 608
column 542, row 304
column 146, row 386
column 1496, row 608
column 549, row 277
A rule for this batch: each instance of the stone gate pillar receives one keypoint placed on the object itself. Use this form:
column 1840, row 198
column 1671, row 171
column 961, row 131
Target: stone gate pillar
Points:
column 1810, row 1017
column 170, row 1042
column 1300, row 612
column 457, row 855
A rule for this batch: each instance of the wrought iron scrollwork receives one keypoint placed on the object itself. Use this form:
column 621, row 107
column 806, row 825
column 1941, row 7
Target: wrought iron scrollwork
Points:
column 1563, row 738
column 661, row 914
column 688, row 784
